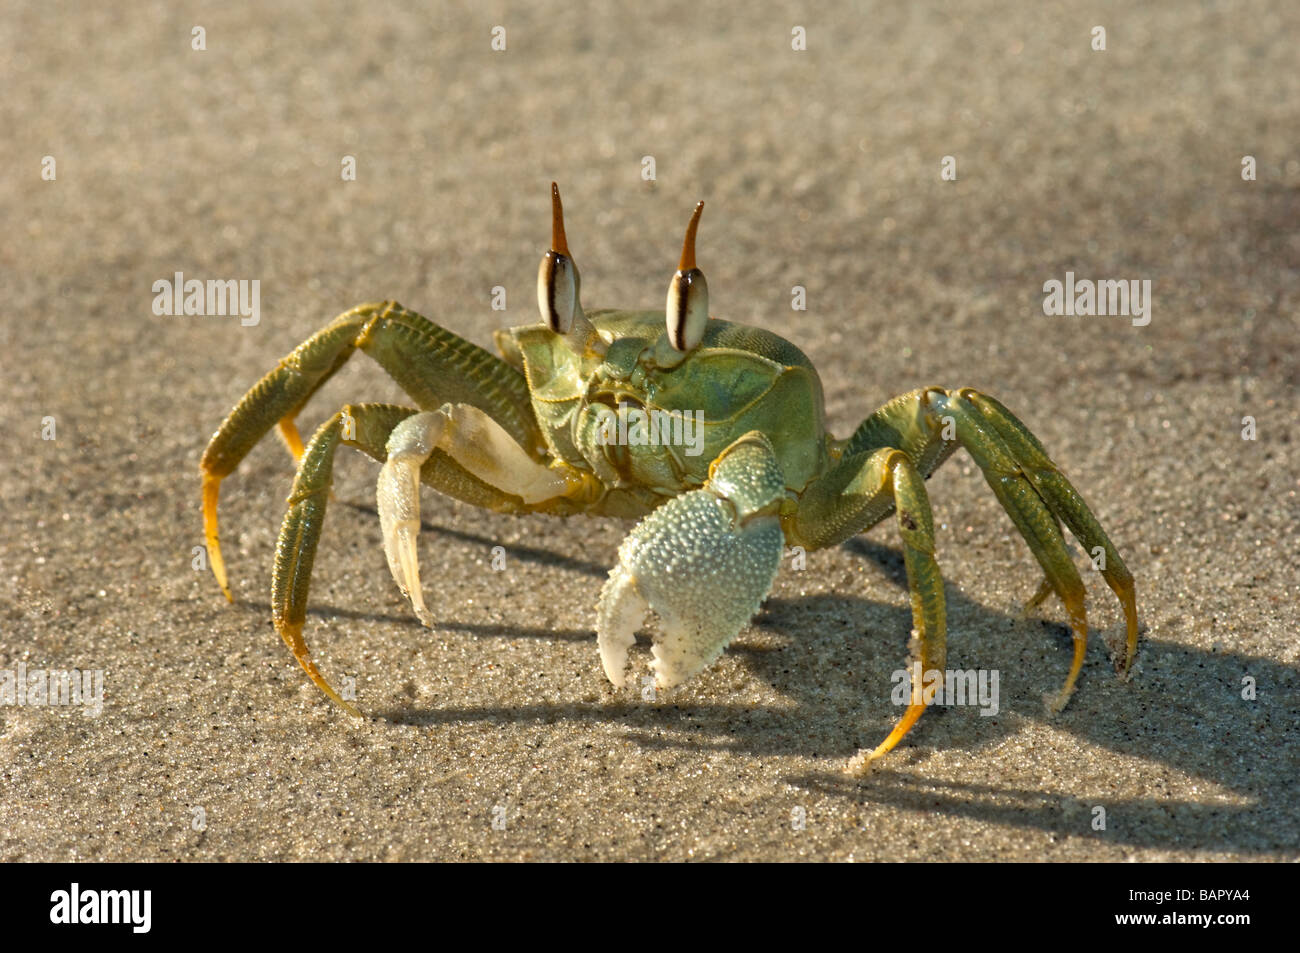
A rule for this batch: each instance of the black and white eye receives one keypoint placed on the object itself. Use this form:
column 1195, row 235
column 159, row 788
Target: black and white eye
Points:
column 687, row 307
column 557, row 291
column 557, row 276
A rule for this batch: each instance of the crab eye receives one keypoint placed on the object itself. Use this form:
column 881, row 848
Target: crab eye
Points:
column 688, row 309
column 688, row 295
column 557, row 291
column 557, row 276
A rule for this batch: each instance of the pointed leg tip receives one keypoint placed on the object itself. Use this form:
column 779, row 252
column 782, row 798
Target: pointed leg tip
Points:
column 418, row 605
column 212, row 535
column 1131, row 649
column 1040, row 595
column 1056, row 702
column 862, row 764
column 1125, row 671
column 219, row 574
column 328, row 689
column 291, row 632
column 1123, row 651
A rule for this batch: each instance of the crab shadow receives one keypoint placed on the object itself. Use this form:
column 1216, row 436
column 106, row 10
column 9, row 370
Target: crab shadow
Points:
column 836, row 657
column 519, row 551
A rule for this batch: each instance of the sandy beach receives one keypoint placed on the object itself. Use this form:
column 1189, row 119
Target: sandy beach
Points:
column 920, row 171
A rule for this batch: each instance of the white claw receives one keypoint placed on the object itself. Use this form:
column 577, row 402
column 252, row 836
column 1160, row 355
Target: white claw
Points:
column 477, row 443
column 619, row 614
column 406, row 534
column 398, row 498
column 702, row 573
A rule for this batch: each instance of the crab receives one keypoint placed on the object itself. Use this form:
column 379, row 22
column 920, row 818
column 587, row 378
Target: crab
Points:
column 725, row 463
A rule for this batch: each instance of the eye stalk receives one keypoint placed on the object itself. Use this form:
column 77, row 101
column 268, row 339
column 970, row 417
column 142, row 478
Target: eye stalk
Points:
column 557, row 276
column 687, row 307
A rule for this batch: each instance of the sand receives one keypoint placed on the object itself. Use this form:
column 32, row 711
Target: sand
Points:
column 496, row 736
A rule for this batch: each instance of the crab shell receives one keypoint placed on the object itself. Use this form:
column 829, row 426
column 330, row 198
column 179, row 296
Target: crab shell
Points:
column 739, row 379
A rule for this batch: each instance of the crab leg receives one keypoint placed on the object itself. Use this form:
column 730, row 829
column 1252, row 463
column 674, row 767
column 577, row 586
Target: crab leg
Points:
column 393, row 435
column 1032, row 490
column 431, row 364
column 295, row 550
column 865, row 488
column 1036, row 495
column 1065, row 503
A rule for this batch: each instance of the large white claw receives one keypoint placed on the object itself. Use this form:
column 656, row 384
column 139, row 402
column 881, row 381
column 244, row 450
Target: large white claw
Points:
column 702, row 569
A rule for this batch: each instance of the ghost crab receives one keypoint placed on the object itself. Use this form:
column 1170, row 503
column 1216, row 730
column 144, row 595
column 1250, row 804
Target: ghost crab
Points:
column 530, row 432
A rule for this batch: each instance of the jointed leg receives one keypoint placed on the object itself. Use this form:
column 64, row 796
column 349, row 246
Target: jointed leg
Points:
column 471, row 458
column 1065, row 503
column 866, row 487
column 366, row 427
column 288, row 424
column 1038, row 497
column 431, row 364
column 1032, row 490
